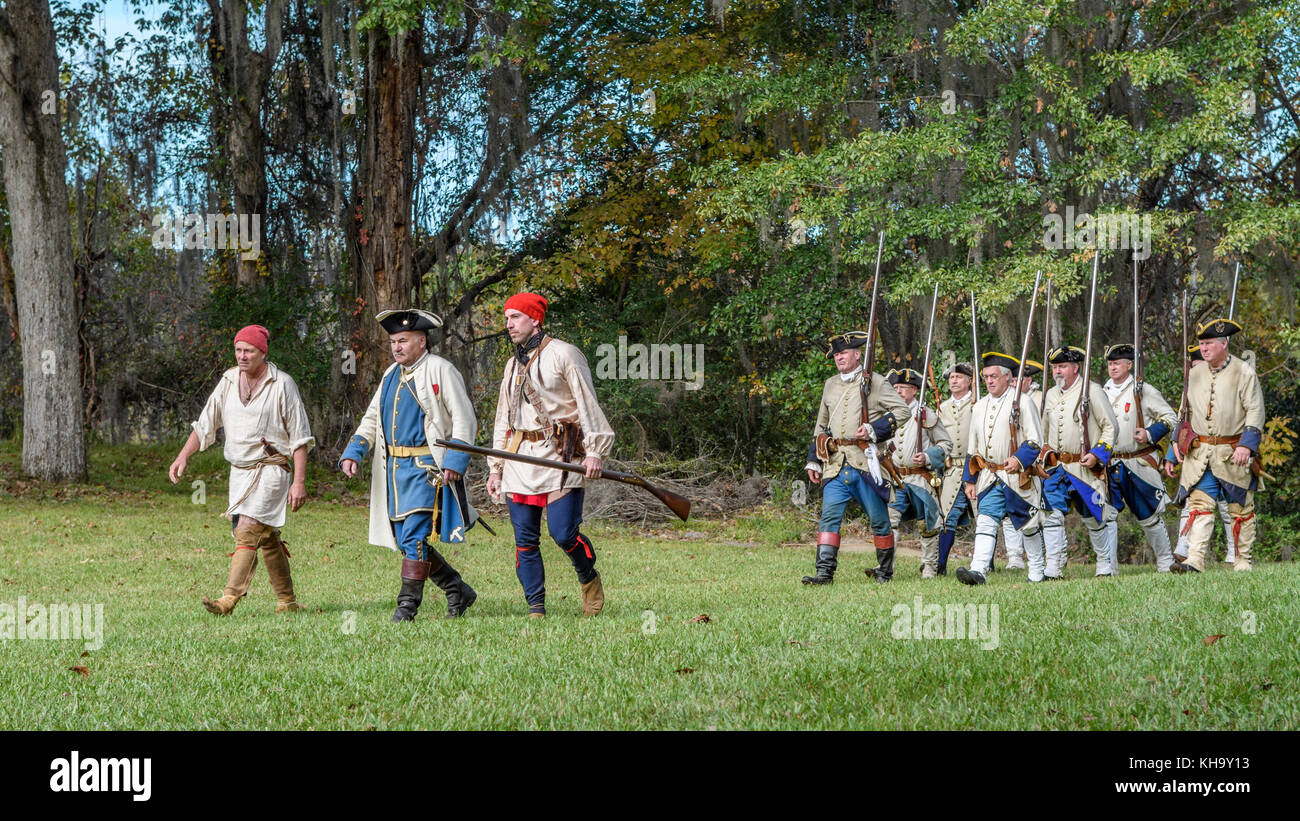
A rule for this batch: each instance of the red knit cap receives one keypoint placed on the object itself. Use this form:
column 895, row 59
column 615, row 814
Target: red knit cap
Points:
column 254, row 335
column 533, row 305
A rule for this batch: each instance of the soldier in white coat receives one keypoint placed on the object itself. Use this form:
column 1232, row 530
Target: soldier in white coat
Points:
column 1071, row 480
column 1226, row 411
column 997, row 459
column 1015, row 542
column 1171, row 463
column 846, row 455
column 417, row 488
column 914, row 499
column 954, row 415
column 1135, row 481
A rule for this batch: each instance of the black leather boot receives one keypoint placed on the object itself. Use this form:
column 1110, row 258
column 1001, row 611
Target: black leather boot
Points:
column 884, row 570
column 826, row 562
column 412, row 593
column 459, row 594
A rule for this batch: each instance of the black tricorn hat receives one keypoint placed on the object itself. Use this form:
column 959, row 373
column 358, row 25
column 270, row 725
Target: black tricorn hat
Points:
column 1122, row 350
column 905, row 375
column 991, row 358
column 1214, row 328
column 409, row 319
column 1066, row 353
column 845, row 341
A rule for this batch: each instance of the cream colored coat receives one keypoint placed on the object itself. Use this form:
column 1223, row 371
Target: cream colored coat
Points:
column 1232, row 399
column 1064, row 433
column 448, row 414
column 990, row 437
column 841, row 411
column 904, row 442
column 954, row 415
column 1154, row 409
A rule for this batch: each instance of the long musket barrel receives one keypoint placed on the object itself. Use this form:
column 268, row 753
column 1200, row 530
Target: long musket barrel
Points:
column 1085, row 398
column 925, row 366
column 1137, row 349
column 974, row 349
column 1236, row 275
column 1047, row 337
column 679, row 505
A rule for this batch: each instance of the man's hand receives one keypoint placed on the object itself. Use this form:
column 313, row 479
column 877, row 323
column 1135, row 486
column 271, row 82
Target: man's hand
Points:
column 1169, row 469
column 592, row 464
column 298, row 495
column 1141, row 436
column 349, row 467
column 865, row 431
column 494, row 487
column 920, row 459
column 970, row 490
column 177, row 468
column 449, row 475
column 1012, row 465
column 1241, row 456
column 1089, row 459
column 814, row 478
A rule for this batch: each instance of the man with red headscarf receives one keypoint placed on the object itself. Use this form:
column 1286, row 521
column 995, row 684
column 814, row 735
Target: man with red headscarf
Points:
column 266, row 426
column 547, row 408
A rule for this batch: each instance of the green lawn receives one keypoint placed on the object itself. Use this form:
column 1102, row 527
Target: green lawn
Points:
column 1108, row 654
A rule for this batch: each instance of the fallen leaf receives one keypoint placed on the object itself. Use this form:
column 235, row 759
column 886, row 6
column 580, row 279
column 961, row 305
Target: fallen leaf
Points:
column 684, row 670
column 1151, row 679
column 703, row 618
column 1212, row 639
column 85, row 653
column 1268, row 685
column 85, row 672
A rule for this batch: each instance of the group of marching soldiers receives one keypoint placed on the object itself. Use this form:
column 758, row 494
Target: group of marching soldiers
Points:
column 1017, row 460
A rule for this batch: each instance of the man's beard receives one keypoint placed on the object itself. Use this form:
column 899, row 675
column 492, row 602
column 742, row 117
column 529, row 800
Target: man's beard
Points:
column 1059, row 381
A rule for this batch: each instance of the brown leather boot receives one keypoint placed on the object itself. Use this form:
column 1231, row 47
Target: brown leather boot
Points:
column 242, row 564
column 276, row 555
column 593, row 597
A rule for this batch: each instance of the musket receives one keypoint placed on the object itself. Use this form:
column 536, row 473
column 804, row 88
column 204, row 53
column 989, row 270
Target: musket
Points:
column 679, row 505
column 1183, row 436
column 869, row 362
column 1137, row 349
column 1232, row 306
column 1025, row 476
column 920, row 399
column 1047, row 342
column 975, row 349
column 1085, row 400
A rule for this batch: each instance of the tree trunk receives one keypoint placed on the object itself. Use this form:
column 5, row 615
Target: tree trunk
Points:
column 240, row 74
column 381, row 229
column 35, row 163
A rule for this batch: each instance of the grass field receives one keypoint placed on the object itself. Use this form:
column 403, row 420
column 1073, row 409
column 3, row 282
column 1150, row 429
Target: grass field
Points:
column 1127, row 653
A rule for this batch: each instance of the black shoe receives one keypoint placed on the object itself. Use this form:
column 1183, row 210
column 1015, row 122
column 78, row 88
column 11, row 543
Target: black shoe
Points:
column 818, row 579
column 967, row 577
column 1048, row 578
column 1181, row 567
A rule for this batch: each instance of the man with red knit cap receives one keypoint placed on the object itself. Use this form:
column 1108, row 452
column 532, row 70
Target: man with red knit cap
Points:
column 547, row 408
column 266, row 427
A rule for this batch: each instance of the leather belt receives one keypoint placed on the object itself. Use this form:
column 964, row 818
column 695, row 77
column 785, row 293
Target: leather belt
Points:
column 1136, row 454
column 912, row 471
column 1214, row 440
column 1067, row 457
column 531, row 435
column 403, row 452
